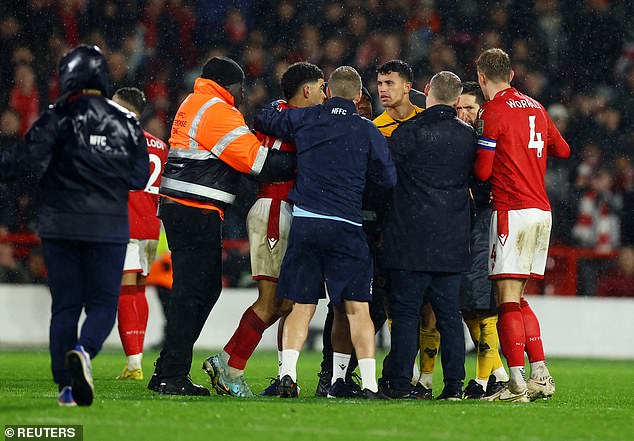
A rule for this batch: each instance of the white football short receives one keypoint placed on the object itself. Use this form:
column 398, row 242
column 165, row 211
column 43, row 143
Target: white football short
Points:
column 139, row 256
column 518, row 243
column 268, row 225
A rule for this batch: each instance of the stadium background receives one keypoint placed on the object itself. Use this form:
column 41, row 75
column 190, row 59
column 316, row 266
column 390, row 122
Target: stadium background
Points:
column 576, row 57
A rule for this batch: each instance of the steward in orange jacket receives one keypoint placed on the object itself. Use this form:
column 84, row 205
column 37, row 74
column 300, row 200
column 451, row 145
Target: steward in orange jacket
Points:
column 210, row 146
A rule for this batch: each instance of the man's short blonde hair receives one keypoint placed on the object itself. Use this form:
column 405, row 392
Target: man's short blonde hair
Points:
column 495, row 65
column 446, row 87
column 345, row 82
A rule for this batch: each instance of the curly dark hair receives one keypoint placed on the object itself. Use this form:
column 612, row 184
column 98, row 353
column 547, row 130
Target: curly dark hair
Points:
column 297, row 75
column 399, row 66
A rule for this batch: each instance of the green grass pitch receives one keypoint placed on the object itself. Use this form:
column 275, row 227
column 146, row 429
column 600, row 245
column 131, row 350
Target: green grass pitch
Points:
column 594, row 401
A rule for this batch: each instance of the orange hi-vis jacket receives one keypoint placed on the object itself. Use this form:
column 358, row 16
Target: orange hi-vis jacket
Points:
column 210, row 146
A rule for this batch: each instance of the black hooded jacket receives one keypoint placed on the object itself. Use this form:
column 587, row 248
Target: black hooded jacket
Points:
column 86, row 152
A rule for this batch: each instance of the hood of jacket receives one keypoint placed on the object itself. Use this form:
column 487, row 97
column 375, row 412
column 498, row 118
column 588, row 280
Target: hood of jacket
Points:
column 84, row 67
column 210, row 87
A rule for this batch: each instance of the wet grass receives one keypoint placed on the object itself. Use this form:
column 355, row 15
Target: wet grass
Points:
column 594, row 401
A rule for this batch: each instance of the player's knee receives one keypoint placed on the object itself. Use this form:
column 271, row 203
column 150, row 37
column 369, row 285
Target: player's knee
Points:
column 284, row 307
column 355, row 309
column 267, row 312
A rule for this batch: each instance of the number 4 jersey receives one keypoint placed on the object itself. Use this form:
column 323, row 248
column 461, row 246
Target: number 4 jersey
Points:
column 142, row 204
column 515, row 137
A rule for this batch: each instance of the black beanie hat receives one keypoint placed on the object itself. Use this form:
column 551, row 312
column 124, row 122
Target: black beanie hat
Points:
column 366, row 92
column 223, row 71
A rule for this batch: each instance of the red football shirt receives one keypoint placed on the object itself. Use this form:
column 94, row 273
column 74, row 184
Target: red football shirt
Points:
column 142, row 204
column 277, row 190
column 516, row 136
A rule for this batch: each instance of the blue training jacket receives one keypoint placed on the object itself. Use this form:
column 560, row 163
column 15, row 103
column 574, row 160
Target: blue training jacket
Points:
column 336, row 149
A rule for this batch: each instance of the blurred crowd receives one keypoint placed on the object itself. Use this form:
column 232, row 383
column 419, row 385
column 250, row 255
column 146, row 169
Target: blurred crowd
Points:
column 574, row 56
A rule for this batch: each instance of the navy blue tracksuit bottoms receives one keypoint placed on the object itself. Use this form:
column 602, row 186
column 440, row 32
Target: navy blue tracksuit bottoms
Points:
column 407, row 295
column 82, row 275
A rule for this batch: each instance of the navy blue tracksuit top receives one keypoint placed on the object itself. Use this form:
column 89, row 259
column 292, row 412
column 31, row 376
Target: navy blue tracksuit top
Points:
column 335, row 149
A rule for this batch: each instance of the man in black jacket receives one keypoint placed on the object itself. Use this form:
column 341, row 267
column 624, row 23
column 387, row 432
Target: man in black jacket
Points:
column 426, row 236
column 87, row 153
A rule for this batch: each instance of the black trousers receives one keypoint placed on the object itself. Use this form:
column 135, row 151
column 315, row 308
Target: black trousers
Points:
column 476, row 290
column 195, row 239
column 81, row 275
column 408, row 290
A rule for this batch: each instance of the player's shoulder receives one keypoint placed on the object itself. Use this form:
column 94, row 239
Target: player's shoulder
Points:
column 120, row 110
column 463, row 125
column 383, row 119
column 369, row 125
column 154, row 142
column 417, row 110
column 385, row 124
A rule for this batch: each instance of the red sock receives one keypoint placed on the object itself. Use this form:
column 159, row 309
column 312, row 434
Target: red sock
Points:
column 128, row 320
column 245, row 339
column 511, row 332
column 534, row 346
column 142, row 311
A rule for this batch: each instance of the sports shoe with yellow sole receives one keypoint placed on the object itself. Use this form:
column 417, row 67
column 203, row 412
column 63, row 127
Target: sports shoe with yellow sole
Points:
column 134, row 374
column 509, row 395
column 540, row 388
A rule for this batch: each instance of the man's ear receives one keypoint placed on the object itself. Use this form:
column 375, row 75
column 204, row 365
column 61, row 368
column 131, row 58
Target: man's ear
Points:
column 328, row 92
column 358, row 97
column 426, row 91
column 306, row 91
column 482, row 79
column 457, row 101
column 408, row 86
column 512, row 75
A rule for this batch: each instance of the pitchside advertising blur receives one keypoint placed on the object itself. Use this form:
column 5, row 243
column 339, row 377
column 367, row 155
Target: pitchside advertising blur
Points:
column 43, row 432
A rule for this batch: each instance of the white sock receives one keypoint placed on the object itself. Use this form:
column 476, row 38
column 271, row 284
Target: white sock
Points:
column 279, row 364
column 426, row 380
column 289, row 364
column 482, row 382
column 225, row 356
column 235, row 373
column 415, row 374
column 500, row 374
column 231, row 371
column 539, row 371
column 340, row 364
column 517, row 376
column 134, row 361
column 367, row 367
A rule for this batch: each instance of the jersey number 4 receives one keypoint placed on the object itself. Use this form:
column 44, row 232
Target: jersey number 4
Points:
column 536, row 141
column 155, row 165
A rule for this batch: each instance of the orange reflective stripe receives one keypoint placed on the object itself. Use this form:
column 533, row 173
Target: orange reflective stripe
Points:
column 197, row 204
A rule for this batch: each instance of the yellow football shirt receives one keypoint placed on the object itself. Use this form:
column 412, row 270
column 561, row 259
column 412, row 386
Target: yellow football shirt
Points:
column 386, row 124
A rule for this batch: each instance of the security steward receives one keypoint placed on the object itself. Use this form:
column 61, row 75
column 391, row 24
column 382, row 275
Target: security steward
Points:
column 426, row 235
column 210, row 146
